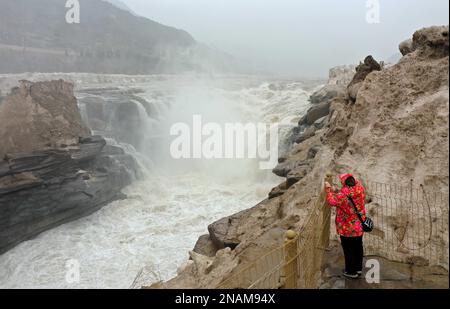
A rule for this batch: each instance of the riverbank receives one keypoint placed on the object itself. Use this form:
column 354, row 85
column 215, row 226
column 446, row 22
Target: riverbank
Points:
column 389, row 124
column 165, row 211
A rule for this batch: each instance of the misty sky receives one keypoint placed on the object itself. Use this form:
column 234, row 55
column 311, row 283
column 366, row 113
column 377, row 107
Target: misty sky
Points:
column 296, row 37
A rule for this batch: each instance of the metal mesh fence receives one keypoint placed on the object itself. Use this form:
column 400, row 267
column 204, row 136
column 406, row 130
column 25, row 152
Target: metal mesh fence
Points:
column 294, row 264
column 411, row 226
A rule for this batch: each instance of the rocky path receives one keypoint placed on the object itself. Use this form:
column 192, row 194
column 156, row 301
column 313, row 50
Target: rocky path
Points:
column 393, row 275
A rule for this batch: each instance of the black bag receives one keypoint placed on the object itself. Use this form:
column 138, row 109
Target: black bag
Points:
column 367, row 224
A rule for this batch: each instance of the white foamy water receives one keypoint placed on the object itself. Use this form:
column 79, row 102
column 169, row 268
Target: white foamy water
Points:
column 167, row 211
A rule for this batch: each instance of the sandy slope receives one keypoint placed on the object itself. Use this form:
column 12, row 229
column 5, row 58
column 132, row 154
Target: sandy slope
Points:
column 396, row 130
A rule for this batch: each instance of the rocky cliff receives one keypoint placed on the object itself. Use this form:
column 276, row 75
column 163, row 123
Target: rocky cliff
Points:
column 32, row 117
column 382, row 124
column 51, row 169
column 35, row 37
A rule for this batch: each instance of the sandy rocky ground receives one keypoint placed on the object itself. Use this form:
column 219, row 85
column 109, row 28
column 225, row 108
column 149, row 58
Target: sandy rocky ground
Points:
column 393, row 275
column 383, row 123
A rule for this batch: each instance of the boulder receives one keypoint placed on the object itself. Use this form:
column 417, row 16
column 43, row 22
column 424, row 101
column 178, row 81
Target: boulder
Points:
column 221, row 232
column 406, row 47
column 339, row 78
column 432, row 42
column 205, row 246
column 362, row 70
column 38, row 116
column 320, row 123
column 353, row 90
column 284, row 168
column 278, row 190
column 318, row 111
column 302, row 122
column 43, row 189
column 327, row 93
column 307, row 134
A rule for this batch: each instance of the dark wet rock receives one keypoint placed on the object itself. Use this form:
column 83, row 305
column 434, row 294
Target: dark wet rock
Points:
column 205, row 246
column 52, row 170
column 322, row 122
column 282, row 158
column 327, row 94
column 368, row 66
column 318, row 111
column 302, row 121
column 222, row 234
column 317, row 116
column 312, row 152
column 43, row 189
column 278, row 190
column 284, row 168
column 362, row 70
column 338, row 80
column 307, row 134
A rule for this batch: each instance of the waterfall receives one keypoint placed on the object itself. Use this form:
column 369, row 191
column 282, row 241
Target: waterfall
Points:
column 174, row 201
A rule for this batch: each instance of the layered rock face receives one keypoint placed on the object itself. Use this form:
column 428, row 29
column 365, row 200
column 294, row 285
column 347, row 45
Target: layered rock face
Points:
column 393, row 128
column 52, row 170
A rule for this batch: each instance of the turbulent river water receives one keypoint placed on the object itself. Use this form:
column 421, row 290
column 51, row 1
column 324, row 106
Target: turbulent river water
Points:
column 171, row 206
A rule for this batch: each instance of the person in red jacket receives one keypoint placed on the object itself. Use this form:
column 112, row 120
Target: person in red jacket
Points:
column 348, row 225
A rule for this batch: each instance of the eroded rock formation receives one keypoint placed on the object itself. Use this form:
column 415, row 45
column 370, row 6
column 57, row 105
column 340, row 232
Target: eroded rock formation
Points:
column 396, row 130
column 51, row 169
column 362, row 70
column 40, row 115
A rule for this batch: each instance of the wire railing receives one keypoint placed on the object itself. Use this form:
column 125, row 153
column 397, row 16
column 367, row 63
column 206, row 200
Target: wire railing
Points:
column 411, row 226
column 294, row 264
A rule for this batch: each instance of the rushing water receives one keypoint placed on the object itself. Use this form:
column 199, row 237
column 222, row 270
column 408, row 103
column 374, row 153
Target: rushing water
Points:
column 167, row 210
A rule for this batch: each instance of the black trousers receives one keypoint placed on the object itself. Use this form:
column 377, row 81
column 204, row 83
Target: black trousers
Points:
column 354, row 253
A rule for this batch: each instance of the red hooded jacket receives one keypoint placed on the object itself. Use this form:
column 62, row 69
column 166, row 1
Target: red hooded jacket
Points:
column 347, row 222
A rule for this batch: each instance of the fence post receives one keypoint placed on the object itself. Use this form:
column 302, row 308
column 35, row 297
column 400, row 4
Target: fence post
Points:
column 326, row 214
column 291, row 260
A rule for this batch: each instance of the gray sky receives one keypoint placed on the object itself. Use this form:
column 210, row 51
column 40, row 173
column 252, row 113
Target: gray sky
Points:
column 296, row 37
